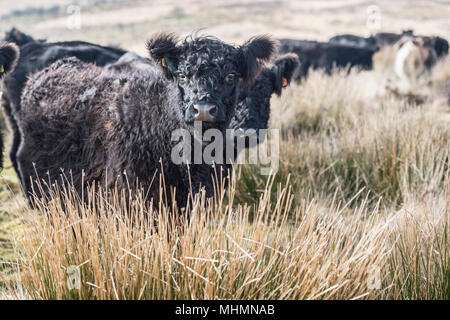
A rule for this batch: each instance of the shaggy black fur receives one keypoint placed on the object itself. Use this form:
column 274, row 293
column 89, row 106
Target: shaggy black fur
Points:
column 117, row 130
column 129, row 63
column 9, row 53
column 253, row 110
column 36, row 56
column 324, row 55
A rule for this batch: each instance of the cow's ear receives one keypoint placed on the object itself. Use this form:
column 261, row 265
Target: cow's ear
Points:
column 283, row 69
column 253, row 54
column 164, row 52
column 9, row 54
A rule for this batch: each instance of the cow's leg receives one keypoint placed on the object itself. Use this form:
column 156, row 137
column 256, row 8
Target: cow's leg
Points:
column 26, row 171
column 12, row 124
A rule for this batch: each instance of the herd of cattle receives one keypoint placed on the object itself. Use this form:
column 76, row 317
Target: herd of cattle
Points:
column 106, row 115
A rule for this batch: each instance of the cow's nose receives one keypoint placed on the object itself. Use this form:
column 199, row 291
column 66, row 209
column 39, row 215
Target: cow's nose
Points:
column 205, row 112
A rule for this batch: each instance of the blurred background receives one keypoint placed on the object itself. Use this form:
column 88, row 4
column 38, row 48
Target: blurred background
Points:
column 128, row 23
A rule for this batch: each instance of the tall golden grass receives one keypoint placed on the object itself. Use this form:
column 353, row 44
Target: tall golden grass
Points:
column 131, row 250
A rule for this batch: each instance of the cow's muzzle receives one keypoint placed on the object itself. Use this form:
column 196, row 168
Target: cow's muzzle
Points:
column 205, row 112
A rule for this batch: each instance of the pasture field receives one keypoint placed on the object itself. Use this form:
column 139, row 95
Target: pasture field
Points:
column 359, row 208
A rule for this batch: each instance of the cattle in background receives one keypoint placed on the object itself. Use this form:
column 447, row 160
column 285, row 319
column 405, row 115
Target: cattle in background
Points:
column 384, row 39
column 355, row 41
column 415, row 56
column 36, row 56
column 18, row 37
column 441, row 46
column 9, row 53
column 119, row 133
column 323, row 55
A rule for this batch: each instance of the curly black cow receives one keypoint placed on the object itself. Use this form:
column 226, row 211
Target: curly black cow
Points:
column 118, row 131
column 35, row 56
column 9, row 53
column 253, row 109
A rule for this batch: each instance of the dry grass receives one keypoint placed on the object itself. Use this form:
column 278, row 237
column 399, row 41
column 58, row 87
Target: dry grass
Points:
column 129, row 250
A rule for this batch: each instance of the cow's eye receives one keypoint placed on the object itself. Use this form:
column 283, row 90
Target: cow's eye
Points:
column 182, row 78
column 229, row 79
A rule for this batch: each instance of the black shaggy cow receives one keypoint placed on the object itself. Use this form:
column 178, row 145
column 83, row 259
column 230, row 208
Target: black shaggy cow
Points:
column 119, row 131
column 9, row 53
column 253, row 109
column 324, row 55
column 36, row 56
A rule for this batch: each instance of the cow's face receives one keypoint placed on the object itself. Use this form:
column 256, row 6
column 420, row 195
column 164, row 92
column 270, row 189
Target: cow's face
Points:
column 209, row 73
column 253, row 110
column 9, row 53
column 282, row 71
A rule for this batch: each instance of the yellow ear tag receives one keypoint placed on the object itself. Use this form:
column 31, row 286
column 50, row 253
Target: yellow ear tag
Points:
column 2, row 69
column 163, row 62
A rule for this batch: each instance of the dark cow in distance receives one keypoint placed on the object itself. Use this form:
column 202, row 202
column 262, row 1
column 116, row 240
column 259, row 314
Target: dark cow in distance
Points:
column 18, row 37
column 439, row 44
column 323, row 55
column 355, row 41
column 119, row 131
column 384, row 39
column 9, row 53
column 36, row 56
